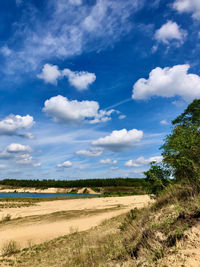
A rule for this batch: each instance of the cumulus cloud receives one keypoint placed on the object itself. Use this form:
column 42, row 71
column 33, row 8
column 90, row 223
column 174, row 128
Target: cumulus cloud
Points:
column 142, row 161
column 18, row 148
column 79, row 79
column 11, row 124
column 19, row 154
column 168, row 82
column 90, row 153
column 170, row 31
column 50, row 74
column 65, row 111
column 119, row 140
column 66, row 164
column 108, row 161
column 188, row 6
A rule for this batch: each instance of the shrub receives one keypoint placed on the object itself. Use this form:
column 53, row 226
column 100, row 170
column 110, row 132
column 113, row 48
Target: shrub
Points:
column 10, row 248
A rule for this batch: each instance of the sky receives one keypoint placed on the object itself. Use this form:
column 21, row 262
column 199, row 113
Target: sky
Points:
column 89, row 87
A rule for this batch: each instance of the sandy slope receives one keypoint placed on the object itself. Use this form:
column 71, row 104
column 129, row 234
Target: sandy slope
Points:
column 47, row 190
column 39, row 231
column 187, row 250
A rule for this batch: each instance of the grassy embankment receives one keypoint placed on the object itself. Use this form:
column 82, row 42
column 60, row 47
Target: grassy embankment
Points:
column 141, row 238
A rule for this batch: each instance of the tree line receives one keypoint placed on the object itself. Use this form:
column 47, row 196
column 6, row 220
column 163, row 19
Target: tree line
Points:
column 129, row 182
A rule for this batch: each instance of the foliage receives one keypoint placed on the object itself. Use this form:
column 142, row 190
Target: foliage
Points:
column 181, row 151
column 130, row 182
column 157, row 177
column 191, row 116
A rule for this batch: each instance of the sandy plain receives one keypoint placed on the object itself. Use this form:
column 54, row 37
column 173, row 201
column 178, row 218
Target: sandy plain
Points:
column 47, row 220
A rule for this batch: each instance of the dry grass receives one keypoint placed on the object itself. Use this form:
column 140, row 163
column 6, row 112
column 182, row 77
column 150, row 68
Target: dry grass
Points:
column 5, row 218
column 10, row 248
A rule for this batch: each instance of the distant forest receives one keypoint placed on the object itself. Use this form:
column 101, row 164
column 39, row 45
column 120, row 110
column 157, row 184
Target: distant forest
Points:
column 129, row 182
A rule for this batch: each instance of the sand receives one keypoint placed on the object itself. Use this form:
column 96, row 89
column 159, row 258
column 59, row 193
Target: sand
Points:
column 48, row 190
column 29, row 230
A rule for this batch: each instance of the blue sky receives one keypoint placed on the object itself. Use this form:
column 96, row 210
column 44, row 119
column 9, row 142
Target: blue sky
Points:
column 88, row 88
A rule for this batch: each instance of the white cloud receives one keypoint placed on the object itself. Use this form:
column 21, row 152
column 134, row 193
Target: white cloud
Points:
column 170, row 31
column 50, row 74
column 3, row 166
column 188, row 6
column 11, row 124
column 79, row 79
column 28, row 135
column 121, row 117
column 25, row 159
column 65, row 33
column 119, row 140
column 65, row 111
column 19, row 154
column 108, row 161
column 168, row 82
column 19, row 2
column 164, row 122
column 89, row 153
column 18, row 148
column 114, row 168
column 37, row 164
column 102, row 116
column 75, row 2
column 6, row 51
column 66, row 164
column 142, row 161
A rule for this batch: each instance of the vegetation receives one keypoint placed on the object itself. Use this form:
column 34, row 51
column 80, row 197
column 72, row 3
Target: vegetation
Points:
column 10, row 248
column 181, row 151
column 129, row 182
column 157, row 178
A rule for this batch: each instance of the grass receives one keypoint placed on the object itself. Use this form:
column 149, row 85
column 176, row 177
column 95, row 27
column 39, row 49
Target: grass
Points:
column 10, row 248
column 5, row 218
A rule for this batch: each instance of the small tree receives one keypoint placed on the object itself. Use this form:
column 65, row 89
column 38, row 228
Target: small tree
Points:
column 157, row 177
column 181, row 149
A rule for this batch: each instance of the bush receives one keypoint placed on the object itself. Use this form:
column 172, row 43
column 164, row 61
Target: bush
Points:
column 10, row 248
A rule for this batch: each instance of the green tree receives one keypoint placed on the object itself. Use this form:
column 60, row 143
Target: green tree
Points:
column 181, row 149
column 191, row 116
column 157, row 177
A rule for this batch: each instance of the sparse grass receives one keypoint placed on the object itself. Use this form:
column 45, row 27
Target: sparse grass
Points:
column 9, row 205
column 10, row 248
column 5, row 218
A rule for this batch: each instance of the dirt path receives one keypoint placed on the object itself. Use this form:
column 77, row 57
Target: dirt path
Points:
column 29, row 230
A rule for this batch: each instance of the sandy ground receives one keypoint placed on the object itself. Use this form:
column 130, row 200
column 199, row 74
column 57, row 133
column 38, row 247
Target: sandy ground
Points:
column 39, row 231
column 187, row 250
